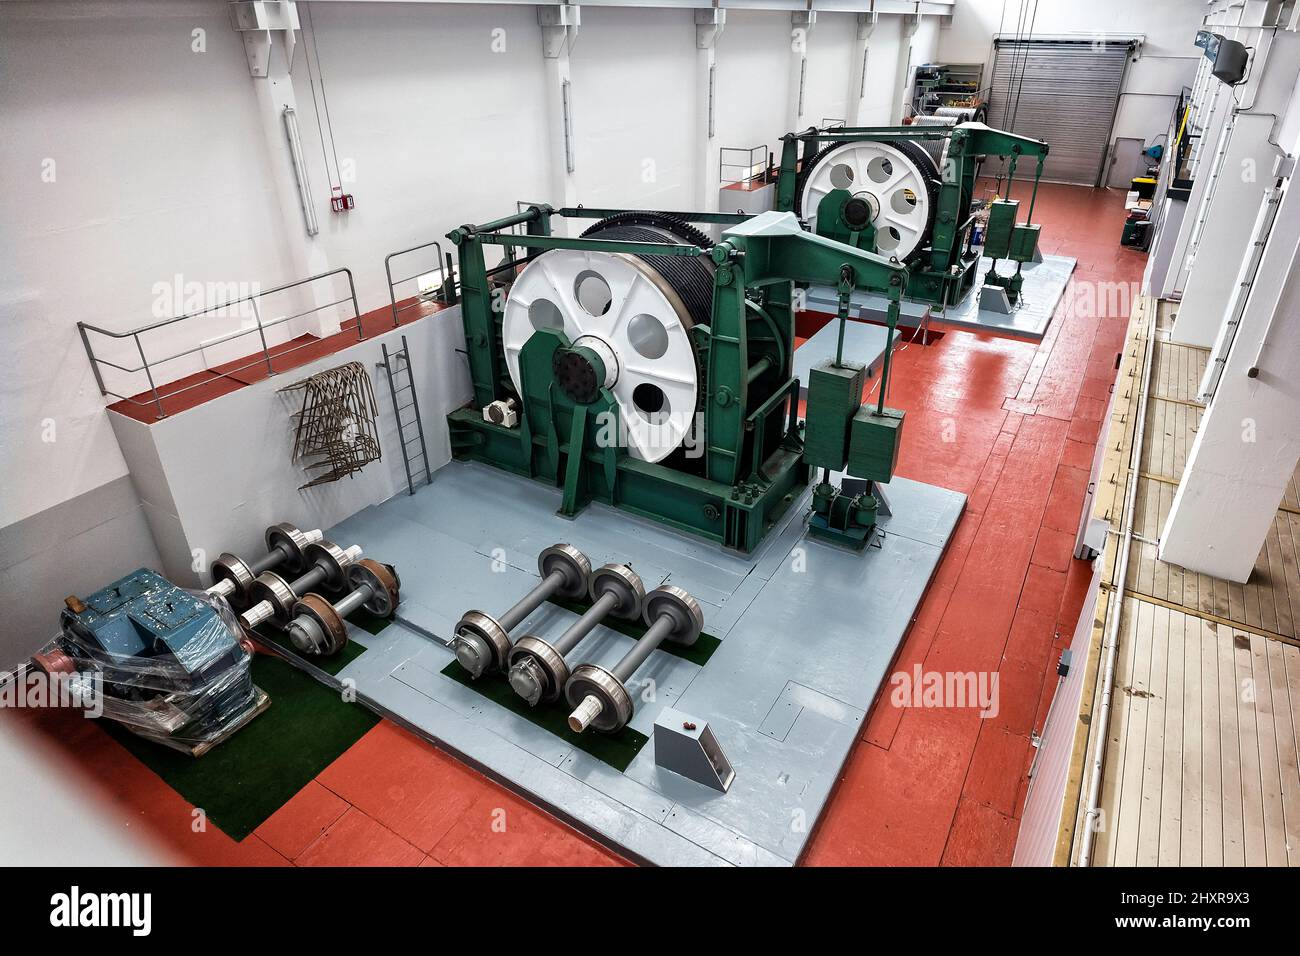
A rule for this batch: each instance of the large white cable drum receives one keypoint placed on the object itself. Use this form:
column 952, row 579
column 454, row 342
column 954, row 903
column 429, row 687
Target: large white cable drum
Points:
column 896, row 184
column 622, row 309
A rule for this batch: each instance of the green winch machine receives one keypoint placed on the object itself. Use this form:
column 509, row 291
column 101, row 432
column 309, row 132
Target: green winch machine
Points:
column 644, row 366
column 908, row 192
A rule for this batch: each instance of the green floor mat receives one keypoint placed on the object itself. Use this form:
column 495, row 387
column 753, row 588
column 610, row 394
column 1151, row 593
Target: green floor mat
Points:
column 617, row 750
column 244, row 780
column 368, row 622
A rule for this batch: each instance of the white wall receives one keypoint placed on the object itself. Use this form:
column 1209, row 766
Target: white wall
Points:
column 157, row 170
column 830, row 59
column 1165, row 63
column 753, row 76
column 882, row 71
column 199, row 504
column 633, row 74
column 441, row 124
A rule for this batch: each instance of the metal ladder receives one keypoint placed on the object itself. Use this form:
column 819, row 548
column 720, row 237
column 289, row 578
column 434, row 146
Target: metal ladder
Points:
column 397, row 365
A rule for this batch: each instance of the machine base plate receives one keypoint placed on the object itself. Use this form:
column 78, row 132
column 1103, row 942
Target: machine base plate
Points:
column 828, row 623
column 1045, row 284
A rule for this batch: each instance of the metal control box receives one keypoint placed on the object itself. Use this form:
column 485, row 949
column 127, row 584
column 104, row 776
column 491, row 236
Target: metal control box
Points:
column 834, row 395
column 1024, row 243
column 1001, row 226
column 874, row 442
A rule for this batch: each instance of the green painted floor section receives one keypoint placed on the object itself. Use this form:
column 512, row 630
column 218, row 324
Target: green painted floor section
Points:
column 244, row 780
column 617, row 750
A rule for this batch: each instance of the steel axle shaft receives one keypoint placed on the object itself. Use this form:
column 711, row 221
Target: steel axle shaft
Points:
column 538, row 670
column 482, row 642
column 599, row 697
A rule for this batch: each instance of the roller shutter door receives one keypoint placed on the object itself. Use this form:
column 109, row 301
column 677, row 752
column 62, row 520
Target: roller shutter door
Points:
column 1062, row 91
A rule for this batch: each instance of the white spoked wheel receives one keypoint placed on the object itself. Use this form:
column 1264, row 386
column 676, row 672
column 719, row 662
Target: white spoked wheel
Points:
column 892, row 183
column 621, row 308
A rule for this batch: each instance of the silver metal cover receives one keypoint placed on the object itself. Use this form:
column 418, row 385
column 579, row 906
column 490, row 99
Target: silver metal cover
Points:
column 485, row 638
column 552, row 666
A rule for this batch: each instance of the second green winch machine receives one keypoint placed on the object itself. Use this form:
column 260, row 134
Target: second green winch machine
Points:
column 859, row 184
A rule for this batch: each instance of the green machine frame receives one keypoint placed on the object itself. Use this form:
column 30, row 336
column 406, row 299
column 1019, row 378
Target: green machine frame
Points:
column 944, row 272
column 750, row 464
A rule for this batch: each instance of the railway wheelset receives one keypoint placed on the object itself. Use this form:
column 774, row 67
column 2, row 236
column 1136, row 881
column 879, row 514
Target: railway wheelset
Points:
column 545, row 671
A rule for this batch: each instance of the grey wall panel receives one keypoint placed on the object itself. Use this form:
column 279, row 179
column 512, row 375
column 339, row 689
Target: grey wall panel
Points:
column 1063, row 91
column 73, row 548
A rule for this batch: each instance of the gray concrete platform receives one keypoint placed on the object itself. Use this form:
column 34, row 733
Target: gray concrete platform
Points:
column 1044, row 285
column 863, row 343
column 808, row 633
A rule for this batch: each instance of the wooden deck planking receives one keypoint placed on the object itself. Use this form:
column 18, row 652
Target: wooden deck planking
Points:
column 1211, row 748
column 1192, row 784
column 1284, row 673
column 1171, row 781
column 1270, row 778
column 1230, row 755
column 1202, row 748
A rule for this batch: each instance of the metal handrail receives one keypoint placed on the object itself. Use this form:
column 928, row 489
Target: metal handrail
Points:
column 761, row 164
column 444, row 270
column 147, row 366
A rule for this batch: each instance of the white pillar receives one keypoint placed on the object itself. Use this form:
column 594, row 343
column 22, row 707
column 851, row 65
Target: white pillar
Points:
column 1239, row 185
column 708, row 24
column 1207, row 125
column 903, row 75
column 857, row 98
column 1248, row 442
column 559, row 32
column 270, row 31
column 801, row 27
column 1209, row 116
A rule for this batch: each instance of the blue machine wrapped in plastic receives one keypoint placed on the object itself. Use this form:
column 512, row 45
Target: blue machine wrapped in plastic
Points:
column 169, row 664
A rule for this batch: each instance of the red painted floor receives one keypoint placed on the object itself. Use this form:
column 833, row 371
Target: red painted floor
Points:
column 1012, row 424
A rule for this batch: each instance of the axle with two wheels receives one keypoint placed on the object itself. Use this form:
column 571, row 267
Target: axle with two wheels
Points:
column 598, row 695
column 286, row 549
column 318, row 626
column 538, row 670
column 274, row 598
column 482, row 642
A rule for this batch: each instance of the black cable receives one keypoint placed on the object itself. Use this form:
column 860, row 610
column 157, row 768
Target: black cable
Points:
column 1021, row 53
column 326, row 103
column 1016, row 46
column 690, row 278
column 315, row 107
column 1020, row 89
